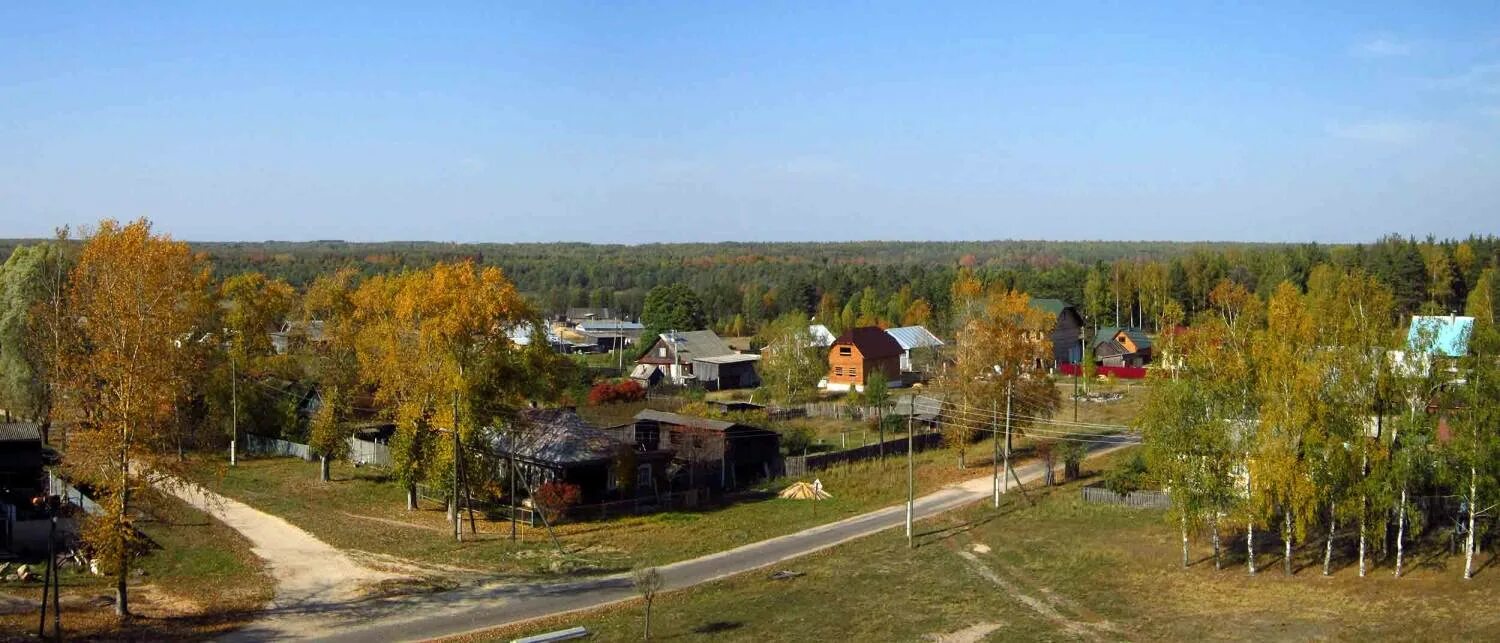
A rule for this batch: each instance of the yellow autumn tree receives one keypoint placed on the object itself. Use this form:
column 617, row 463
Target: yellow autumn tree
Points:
column 422, row 337
column 132, row 293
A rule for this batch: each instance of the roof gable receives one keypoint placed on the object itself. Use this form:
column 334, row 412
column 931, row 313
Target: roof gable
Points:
column 684, row 420
column 872, row 342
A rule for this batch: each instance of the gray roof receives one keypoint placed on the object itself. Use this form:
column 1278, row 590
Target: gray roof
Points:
column 610, row 325
column 910, row 337
column 905, row 404
column 733, row 358
column 580, row 314
column 684, row 420
column 20, row 432
column 556, row 436
column 697, row 344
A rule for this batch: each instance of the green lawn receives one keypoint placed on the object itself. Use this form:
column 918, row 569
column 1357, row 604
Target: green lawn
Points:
column 1059, row 570
column 198, row 579
column 362, row 510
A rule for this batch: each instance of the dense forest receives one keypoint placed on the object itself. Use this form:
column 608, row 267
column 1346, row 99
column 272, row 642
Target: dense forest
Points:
column 744, row 285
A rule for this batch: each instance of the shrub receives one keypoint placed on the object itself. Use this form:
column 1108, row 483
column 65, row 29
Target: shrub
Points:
column 796, row 439
column 607, row 392
column 1129, row 476
column 554, row 498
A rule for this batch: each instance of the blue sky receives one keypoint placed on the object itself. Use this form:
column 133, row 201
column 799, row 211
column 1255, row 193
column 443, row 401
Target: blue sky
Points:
column 707, row 121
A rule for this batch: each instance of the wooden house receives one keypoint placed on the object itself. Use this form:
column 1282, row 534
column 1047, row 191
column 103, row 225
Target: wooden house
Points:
column 1067, row 333
column 860, row 352
column 709, row 453
column 1115, row 346
column 556, row 445
column 696, row 357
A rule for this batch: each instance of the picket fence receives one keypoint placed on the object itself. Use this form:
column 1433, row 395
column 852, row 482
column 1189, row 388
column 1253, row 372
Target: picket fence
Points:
column 1146, row 499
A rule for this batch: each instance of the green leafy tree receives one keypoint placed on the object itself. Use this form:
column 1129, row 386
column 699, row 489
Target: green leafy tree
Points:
column 791, row 364
column 33, row 329
column 673, row 307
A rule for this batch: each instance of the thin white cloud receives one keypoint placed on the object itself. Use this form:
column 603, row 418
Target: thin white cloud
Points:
column 1382, row 130
column 1481, row 79
column 1381, row 47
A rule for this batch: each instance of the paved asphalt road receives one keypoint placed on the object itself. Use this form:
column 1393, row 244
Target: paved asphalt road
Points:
column 429, row 616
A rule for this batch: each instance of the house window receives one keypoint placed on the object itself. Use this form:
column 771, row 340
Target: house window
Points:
column 662, row 352
column 846, row 351
column 838, row 370
column 853, row 372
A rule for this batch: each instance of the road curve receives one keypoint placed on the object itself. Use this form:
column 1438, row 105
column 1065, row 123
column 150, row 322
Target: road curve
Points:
column 476, row 608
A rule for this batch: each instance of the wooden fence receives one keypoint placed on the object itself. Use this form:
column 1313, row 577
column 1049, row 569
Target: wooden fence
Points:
column 367, row 453
column 1147, row 499
column 273, row 446
column 800, row 465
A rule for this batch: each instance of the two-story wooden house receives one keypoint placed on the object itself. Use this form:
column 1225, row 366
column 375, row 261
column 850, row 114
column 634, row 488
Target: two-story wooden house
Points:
column 859, row 353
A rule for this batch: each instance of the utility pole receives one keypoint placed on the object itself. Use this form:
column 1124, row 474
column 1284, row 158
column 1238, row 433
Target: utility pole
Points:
column 458, row 521
column 234, row 405
column 910, row 468
column 1077, row 373
column 995, row 459
column 1005, row 479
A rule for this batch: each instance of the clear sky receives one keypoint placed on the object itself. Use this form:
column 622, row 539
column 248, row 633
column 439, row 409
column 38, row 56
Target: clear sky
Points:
column 708, row 121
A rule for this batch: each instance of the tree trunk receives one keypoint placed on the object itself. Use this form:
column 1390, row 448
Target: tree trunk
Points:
column 1184, row 541
column 648, row 620
column 1328, row 545
column 1473, row 509
column 1401, row 532
column 323, row 468
column 122, row 593
column 1361, row 536
column 411, row 497
column 1215, row 529
column 1286, row 538
column 1250, row 547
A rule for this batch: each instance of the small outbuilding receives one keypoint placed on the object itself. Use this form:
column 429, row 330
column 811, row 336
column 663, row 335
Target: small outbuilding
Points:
column 708, row 452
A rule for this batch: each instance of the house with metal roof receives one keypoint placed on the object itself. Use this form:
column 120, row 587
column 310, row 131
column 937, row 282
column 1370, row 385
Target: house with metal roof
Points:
column 913, row 338
column 859, row 353
column 821, row 336
column 1115, row 346
column 1067, row 332
column 697, row 357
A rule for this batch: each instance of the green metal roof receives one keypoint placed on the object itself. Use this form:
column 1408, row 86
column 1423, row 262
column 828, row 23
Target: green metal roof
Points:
column 1054, row 306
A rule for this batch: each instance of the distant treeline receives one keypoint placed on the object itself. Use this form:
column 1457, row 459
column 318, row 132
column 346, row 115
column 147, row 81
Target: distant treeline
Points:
column 747, row 284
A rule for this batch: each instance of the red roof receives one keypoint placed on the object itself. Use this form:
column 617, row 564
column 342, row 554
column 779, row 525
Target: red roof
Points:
column 872, row 342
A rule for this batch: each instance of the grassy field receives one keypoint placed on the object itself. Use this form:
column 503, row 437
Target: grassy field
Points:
column 198, row 580
column 1059, row 570
column 361, row 510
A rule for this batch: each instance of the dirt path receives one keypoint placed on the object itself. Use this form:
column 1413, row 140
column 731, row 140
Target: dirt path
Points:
column 308, row 571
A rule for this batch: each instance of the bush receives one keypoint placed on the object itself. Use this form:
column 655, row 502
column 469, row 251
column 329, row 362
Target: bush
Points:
column 554, row 498
column 1129, row 476
column 607, row 392
column 796, row 439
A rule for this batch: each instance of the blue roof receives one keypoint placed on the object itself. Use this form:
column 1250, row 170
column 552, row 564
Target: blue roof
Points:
column 1448, row 335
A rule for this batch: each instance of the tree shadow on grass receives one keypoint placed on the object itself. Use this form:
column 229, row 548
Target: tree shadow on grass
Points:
column 934, row 536
column 718, row 627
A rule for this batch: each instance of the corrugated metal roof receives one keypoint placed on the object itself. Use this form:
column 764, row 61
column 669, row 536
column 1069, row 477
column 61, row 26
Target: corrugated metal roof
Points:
column 821, row 336
column 20, row 432
column 1054, row 306
column 556, row 436
column 684, row 420
column 910, row 337
column 1447, row 335
column 698, row 344
column 728, row 359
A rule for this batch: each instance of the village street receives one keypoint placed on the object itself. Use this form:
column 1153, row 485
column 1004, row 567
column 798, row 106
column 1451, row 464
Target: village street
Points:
column 305, row 608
